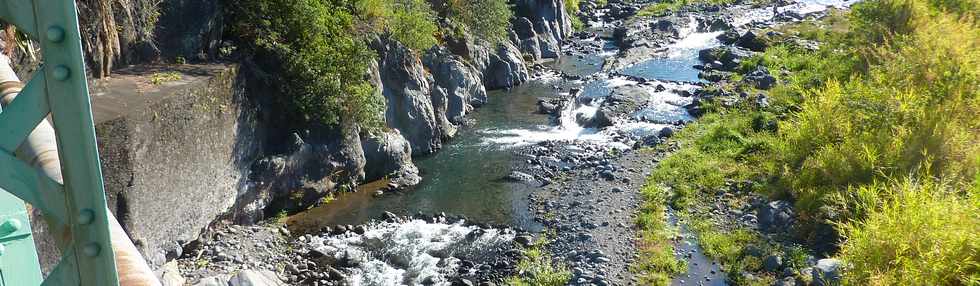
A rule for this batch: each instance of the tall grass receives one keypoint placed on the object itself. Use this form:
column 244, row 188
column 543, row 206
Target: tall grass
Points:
column 916, row 233
column 893, row 92
column 537, row 268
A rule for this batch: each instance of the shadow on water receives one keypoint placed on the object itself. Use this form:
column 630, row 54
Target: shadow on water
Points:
column 464, row 178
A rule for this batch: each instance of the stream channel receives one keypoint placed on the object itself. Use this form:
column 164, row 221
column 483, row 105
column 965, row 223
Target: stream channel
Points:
column 466, row 177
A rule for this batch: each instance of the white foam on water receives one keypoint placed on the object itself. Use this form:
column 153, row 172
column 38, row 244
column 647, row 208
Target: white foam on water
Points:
column 801, row 7
column 692, row 41
column 410, row 253
column 666, row 104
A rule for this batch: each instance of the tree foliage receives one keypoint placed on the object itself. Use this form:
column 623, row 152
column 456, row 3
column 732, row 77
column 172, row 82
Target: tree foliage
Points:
column 308, row 51
column 487, row 19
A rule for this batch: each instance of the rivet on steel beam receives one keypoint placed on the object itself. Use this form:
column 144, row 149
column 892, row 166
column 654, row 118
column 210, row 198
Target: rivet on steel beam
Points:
column 9, row 226
column 91, row 249
column 56, row 34
column 61, row 72
column 86, row 216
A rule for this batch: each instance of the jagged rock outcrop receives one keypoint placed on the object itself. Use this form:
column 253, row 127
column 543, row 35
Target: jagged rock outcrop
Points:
column 550, row 11
column 407, row 91
column 389, row 154
column 506, row 68
column 551, row 25
column 527, row 38
column 549, row 44
column 461, row 81
column 323, row 160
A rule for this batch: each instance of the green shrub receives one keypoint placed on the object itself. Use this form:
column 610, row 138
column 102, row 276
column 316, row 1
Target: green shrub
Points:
column 413, row 23
column 915, row 233
column 487, row 19
column 306, row 50
column 410, row 22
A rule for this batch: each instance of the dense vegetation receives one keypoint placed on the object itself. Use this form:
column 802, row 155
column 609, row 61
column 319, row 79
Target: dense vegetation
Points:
column 315, row 52
column 874, row 136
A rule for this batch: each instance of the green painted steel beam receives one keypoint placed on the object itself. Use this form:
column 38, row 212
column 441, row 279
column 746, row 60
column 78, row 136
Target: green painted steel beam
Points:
column 64, row 273
column 28, row 184
column 71, row 112
column 23, row 114
column 21, row 14
column 18, row 261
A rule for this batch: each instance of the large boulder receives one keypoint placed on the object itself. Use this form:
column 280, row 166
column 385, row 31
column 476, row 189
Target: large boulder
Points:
column 506, row 68
column 440, row 103
column 462, row 83
column 407, row 92
column 728, row 57
column 550, row 45
column 760, row 78
column 551, row 11
column 827, row 272
column 389, row 154
column 751, row 41
column 527, row 38
column 255, row 278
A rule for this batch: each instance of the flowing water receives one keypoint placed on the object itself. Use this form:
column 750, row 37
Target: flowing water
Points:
column 465, row 177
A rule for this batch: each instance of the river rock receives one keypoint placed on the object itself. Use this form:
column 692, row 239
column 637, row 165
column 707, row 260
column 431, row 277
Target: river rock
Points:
column 827, row 272
column 518, row 176
column 751, row 41
column 220, row 280
column 170, row 275
column 255, row 278
column 728, row 37
column 776, row 216
column 729, row 57
column 387, row 153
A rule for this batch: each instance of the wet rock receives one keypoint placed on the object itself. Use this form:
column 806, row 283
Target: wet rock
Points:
column 729, row 57
column 728, row 37
column 547, row 107
column 666, row 132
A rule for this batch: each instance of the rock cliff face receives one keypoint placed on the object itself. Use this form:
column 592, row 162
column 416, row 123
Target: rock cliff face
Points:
column 407, row 90
column 229, row 159
column 541, row 27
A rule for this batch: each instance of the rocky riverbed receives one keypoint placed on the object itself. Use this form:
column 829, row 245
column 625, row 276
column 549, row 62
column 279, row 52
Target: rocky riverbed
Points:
column 630, row 84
